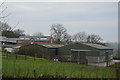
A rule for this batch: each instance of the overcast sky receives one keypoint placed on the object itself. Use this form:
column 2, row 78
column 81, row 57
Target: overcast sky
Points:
column 100, row 18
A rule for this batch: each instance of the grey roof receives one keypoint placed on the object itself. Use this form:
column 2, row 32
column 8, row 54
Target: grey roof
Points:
column 98, row 46
column 13, row 40
column 8, row 46
column 78, row 50
column 36, row 38
column 52, row 45
column 2, row 38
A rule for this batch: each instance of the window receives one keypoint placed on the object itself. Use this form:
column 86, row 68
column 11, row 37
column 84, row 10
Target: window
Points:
column 22, row 38
column 43, row 39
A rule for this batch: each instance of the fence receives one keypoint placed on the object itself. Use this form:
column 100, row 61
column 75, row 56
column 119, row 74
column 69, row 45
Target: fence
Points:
column 37, row 67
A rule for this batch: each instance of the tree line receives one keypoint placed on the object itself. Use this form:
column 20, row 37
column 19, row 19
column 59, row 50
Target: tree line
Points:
column 9, row 32
column 58, row 32
column 61, row 36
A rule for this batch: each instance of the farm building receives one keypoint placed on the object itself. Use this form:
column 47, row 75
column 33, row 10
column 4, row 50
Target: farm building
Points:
column 48, row 51
column 80, row 52
column 8, row 42
column 77, row 52
column 24, row 40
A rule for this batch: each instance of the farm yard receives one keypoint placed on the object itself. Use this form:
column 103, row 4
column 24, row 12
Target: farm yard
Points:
column 21, row 66
column 49, row 40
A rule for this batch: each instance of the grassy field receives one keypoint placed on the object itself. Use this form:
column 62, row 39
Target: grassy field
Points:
column 0, row 65
column 31, row 68
column 116, row 65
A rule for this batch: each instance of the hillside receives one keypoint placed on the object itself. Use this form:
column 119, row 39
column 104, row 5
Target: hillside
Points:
column 19, row 66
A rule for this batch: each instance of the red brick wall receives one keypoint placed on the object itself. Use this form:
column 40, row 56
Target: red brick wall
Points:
column 29, row 42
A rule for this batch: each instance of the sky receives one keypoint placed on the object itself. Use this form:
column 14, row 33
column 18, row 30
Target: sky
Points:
column 100, row 18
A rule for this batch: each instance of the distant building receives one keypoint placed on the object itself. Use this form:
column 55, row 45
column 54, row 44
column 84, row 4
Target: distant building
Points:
column 24, row 40
column 77, row 52
column 48, row 51
column 8, row 42
column 80, row 52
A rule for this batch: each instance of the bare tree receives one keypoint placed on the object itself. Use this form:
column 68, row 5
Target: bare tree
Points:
column 80, row 37
column 5, row 29
column 2, row 10
column 94, row 38
column 19, row 32
column 58, row 32
column 67, row 39
column 4, row 26
column 38, row 34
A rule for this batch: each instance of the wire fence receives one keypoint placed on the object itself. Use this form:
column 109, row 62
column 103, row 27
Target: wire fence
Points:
column 33, row 67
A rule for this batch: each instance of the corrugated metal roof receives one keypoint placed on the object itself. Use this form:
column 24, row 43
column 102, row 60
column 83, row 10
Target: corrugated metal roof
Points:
column 52, row 45
column 2, row 38
column 14, row 40
column 98, row 46
column 78, row 50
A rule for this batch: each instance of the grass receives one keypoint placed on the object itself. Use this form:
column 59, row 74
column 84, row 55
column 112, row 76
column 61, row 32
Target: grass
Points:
column 116, row 65
column 0, row 65
column 29, row 68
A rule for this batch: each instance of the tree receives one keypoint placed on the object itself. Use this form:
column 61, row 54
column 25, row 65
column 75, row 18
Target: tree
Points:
column 80, row 37
column 4, row 27
column 19, row 32
column 38, row 34
column 94, row 38
column 2, row 10
column 67, row 39
column 7, row 31
column 58, row 33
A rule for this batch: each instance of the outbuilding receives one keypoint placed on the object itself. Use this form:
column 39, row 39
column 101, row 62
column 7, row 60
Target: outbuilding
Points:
column 82, row 52
column 76, row 52
column 48, row 51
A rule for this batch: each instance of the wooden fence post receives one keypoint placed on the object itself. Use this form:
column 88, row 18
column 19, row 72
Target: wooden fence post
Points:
column 118, row 73
column 7, row 55
column 34, row 57
column 34, row 73
column 25, row 57
column 16, row 55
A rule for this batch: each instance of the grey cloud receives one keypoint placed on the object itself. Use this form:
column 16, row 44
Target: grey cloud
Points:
column 88, row 17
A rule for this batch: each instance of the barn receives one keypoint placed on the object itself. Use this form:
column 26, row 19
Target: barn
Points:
column 24, row 40
column 48, row 51
column 82, row 52
column 76, row 52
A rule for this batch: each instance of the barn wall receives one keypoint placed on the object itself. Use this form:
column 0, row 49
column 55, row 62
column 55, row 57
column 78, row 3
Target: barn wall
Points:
column 91, row 56
column 95, row 59
column 103, row 53
column 65, row 54
column 38, row 50
column 33, row 49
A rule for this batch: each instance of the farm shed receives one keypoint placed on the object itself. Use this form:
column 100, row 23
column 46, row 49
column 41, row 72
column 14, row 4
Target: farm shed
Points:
column 8, row 42
column 48, row 51
column 25, row 40
column 85, row 52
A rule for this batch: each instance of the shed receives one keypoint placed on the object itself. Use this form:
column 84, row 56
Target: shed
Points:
column 85, row 51
column 24, row 40
column 40, row 50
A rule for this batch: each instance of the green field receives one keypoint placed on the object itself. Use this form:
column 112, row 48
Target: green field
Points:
column 30, row 68
column 116, row 65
